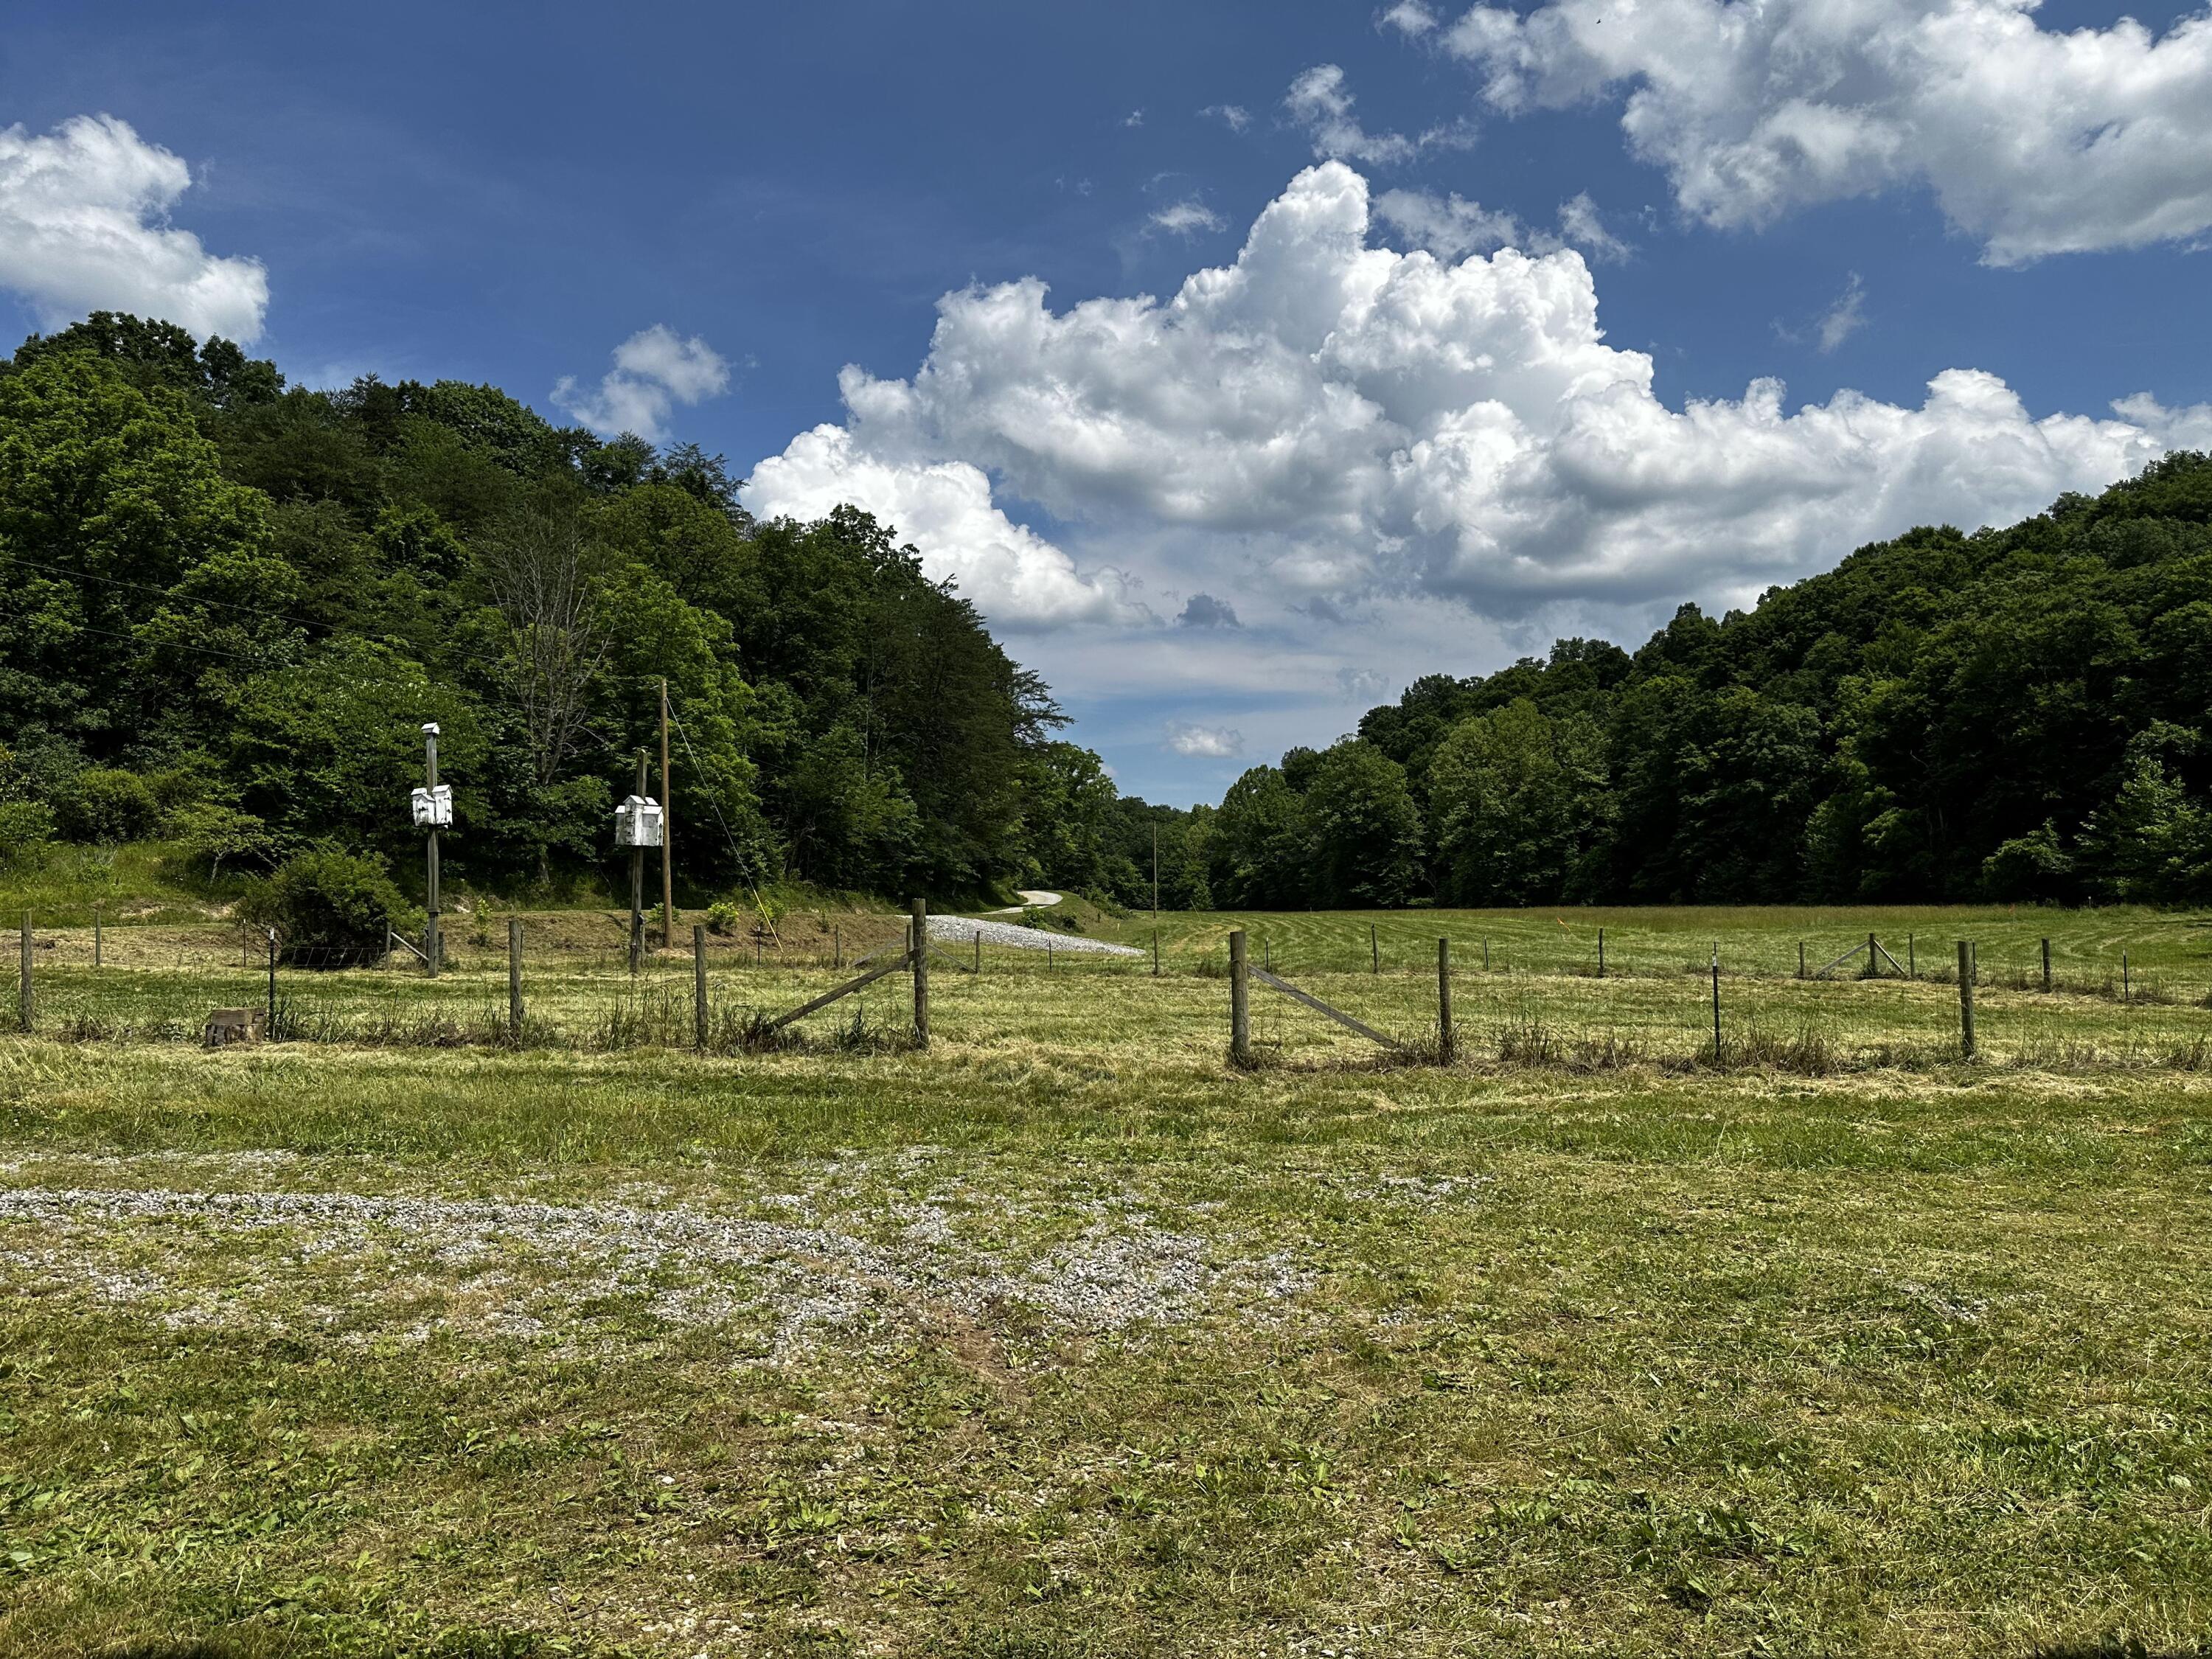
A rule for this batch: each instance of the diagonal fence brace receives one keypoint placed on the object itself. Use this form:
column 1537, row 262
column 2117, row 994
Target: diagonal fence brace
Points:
column 1321, row 1007
column 905, row 959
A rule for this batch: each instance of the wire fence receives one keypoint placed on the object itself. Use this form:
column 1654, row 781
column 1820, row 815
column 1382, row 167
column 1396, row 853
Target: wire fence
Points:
column 571, row 986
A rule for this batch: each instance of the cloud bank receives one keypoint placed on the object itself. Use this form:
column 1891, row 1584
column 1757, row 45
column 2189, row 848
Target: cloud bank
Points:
column 2034, row 142
column 1326, row 426
column 655, row 370
column 84, row 227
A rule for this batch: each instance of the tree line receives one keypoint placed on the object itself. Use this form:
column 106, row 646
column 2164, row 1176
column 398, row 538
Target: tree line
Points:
column 2019, row 714
column 227, row 605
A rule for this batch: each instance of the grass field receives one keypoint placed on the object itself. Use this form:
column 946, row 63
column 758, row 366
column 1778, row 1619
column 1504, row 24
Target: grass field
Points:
column 1065, row 1338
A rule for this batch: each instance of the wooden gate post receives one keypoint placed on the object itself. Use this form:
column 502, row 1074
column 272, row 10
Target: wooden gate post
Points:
column 1966, row 1047
column 1447, row 1039
column 1240, row 1003
column 921, row 923
column 699, row 986
column 514, row 979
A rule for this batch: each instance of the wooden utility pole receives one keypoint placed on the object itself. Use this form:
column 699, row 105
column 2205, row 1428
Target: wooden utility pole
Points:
column 920, row 925
column 431, row 940
column 637, row 883
column 1240, row 1003
column 667, row 833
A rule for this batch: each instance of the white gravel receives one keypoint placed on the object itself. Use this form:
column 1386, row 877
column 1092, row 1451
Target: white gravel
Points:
column 963, row 930
column 515, row 1267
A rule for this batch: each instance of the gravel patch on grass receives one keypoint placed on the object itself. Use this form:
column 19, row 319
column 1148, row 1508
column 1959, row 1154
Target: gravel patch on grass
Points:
column 965, row 930
column 493, row 1267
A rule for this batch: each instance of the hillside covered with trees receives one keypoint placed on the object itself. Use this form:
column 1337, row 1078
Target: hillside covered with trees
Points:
column 2022, row 714
column 227, row 605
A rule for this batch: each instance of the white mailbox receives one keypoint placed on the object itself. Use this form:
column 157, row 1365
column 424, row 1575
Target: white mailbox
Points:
column 637, row 823
column 434, row 808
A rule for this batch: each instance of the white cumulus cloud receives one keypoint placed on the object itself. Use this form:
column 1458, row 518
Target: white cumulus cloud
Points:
column 84, row 227
column 655, row 370
column 2034, row 141
column 1327, row 429
column 1205, row 742
column 945, row 509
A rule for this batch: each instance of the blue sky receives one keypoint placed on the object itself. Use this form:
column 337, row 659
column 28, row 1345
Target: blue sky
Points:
column 1442, row 469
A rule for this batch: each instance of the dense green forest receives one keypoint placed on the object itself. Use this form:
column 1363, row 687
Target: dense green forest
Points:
column 227, row 605
column 2016, row 715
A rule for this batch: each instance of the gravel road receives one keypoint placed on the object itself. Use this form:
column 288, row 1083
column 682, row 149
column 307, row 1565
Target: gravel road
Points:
column 963, row 930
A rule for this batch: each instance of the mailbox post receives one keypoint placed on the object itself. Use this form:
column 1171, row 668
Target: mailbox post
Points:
column 433, row 811
column 638, row 825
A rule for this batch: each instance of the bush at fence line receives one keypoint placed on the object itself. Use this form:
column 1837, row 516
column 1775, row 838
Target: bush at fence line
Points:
column 26, row 830
column 108, row 805
column 331, row 906
column 722, row 917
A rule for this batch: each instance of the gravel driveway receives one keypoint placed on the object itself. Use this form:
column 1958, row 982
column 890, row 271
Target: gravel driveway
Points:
column 964, row 930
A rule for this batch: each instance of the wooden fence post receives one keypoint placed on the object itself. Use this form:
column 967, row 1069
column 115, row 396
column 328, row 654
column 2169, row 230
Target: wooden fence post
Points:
column 2126, row 993
column 1874, row 958
column 23, row 1010
column 1447, row 1040
column 514, row 979
column 699, row 987
column 1240, row 1002
column 1486, row 956
column 837, row 945
column 1801, row 959
column 1966, row 1047
column 270, row 1031
column 921, row 972
column 1717, row 1002
column 2047, row 967
column 1374, row 950
column 1601, row 953
column 1911, row 962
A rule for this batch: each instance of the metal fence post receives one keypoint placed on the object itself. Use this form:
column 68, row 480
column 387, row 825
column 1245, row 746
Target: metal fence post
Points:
column 514, row 978
column 1966, row 1046
column 1240, row 1003
column 921, row 972
column 1447, row 1039
column 699, row 985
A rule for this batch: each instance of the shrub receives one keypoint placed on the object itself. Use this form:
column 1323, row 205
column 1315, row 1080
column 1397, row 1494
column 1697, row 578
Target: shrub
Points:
column 26, row 827
column 105, row 804
column 332, row 905
column 722, row 917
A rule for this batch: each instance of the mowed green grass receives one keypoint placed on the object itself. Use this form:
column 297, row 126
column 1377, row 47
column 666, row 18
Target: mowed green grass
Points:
column 1065, row 1338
